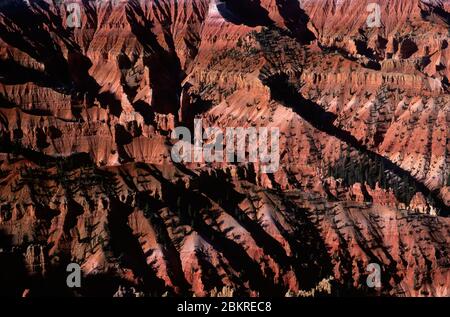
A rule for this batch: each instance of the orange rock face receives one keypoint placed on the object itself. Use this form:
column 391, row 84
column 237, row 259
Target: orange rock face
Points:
column 90, row 92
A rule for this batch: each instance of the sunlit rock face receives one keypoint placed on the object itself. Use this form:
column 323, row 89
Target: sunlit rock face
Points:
column 90, row 92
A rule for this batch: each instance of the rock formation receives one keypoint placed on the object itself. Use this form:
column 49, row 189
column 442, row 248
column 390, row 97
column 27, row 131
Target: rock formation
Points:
column 90, row 92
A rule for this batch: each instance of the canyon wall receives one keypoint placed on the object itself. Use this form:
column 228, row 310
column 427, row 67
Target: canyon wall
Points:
column 87, row 107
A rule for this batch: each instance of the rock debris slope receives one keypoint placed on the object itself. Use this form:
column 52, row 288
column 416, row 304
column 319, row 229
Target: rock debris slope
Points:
column 86, row 173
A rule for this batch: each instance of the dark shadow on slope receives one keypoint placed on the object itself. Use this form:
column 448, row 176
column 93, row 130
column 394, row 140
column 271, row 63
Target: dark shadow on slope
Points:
column 192, row 105
column 145, row 110
column 151, row 207
column 284, row 92
column 310, row 260
column 296, row 20
column 13, row 274
column 363, row 49
column 12, row 73
column 191, row 208
column 246, row 12
column 125, row 245
column 435, row 9
column 131, row 89
column 66, row 163
column 408, row 48
column 210, row 277
column 311, row 256
column 166, row 73
column 123, row 137
column 34, row 40
column 74, row 209
column 68, row 76
column 228, row 198
column 52, row 284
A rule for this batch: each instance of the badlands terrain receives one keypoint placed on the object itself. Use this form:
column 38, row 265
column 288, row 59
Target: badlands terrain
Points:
column 88, row 104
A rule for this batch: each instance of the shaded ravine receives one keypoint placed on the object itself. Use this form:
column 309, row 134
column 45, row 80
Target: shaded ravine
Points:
column 191, row 208
column 287, row 94
column 65, row 75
